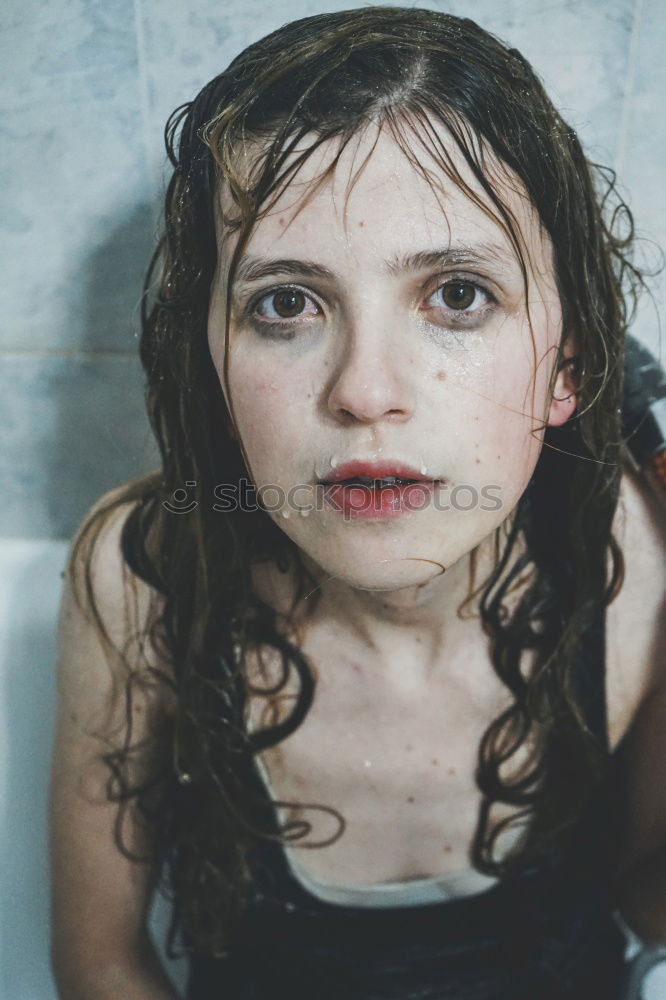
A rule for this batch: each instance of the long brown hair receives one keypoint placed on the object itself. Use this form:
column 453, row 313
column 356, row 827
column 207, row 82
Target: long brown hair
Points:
column 322, row 77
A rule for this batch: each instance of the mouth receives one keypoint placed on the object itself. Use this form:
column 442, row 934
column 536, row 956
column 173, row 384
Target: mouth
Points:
column 374, row 491
column 376, row 476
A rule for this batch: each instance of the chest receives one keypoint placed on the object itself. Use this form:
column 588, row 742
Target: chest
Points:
column 390, row 782
column 389, row 778
column 392, row 779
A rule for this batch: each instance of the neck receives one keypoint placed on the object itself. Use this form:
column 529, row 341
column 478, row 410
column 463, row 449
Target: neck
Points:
column 420, row 624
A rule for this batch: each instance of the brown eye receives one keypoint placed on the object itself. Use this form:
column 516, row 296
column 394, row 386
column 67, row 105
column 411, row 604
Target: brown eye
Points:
column 458, row 294
column 288, row 303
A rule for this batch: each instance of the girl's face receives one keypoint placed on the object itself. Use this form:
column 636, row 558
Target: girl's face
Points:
column 390, row 336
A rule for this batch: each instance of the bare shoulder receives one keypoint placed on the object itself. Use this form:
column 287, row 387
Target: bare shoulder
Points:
column 636, row 620
column 106, row 611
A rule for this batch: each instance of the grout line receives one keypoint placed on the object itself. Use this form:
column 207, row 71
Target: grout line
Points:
column 65, row 352
column 620, row 154
column 21, row 541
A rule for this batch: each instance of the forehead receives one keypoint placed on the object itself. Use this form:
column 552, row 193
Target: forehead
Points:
column 386, row 198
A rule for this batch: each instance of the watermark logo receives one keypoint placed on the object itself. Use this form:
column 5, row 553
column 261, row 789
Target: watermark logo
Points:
column 304, row 498
column 181, row 502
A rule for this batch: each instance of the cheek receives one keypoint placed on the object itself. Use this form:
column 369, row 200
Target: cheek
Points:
column 500, row 414
column 269, row 410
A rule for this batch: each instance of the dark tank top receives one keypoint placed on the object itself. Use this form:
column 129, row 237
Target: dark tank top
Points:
column 546, row 933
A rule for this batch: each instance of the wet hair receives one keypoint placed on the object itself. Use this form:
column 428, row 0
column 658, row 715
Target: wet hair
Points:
column 318, row 78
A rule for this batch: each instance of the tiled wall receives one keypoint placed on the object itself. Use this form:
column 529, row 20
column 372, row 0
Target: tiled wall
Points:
column 88, row 86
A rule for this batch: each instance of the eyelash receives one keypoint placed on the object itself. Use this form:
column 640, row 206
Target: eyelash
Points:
column 285, row 329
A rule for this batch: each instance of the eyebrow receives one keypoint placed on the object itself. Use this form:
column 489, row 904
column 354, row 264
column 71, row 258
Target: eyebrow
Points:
column 253, row 268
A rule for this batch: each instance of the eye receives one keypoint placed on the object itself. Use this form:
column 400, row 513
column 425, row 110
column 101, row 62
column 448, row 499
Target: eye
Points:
column 462, row 296
column 283, row 304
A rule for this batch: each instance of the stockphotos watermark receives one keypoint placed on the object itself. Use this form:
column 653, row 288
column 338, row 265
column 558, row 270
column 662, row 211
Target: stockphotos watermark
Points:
column 304, row 498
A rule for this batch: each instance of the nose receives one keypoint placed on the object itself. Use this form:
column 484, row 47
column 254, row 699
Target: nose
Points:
column 372, row 379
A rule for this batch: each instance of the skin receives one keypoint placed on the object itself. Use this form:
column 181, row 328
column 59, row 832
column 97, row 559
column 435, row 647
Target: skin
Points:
column 375, row 365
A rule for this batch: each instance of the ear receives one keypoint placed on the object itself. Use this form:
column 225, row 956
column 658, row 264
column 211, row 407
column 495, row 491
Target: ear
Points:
column 564, row 399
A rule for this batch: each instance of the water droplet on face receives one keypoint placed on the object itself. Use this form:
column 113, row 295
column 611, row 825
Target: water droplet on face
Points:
column 274, row 385
column 284, row 514
column 367, row 763
column 424, row 470
column 335, row 461
column 305, row 511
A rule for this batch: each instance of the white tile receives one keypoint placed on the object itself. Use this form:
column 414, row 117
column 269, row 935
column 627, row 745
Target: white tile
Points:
column 66, row 47
column 74, row 223
column 642, row 157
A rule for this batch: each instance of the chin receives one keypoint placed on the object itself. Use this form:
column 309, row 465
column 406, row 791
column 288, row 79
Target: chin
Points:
column 363, row 569
column 364, row 559
column 384, row 580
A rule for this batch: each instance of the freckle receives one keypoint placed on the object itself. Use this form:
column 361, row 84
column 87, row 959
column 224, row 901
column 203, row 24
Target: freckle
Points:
column 452, row 770
column 476, row 418
column 419, row 639
column 478, row 461
column 441, row 375
column 408, row 747
column 361, row 224
column 447, row 848
column 356, row 668
column 410, row 798
column 498, row 457
column 435, row 762
column 281, row 220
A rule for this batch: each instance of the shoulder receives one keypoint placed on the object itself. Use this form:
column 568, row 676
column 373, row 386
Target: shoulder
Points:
column 635, row 621
column 96, row 550
column 104, row 602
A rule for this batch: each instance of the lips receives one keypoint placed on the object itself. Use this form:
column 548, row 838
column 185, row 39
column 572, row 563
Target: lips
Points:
column 377, row 490
column 371, row 474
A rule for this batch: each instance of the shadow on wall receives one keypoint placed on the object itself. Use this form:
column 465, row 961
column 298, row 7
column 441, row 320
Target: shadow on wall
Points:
column 100, row 436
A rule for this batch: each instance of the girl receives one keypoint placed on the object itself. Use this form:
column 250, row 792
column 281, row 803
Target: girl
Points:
column 337, row 670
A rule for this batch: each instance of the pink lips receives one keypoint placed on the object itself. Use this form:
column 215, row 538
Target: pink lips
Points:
column 375, row 470
column 368, row 501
